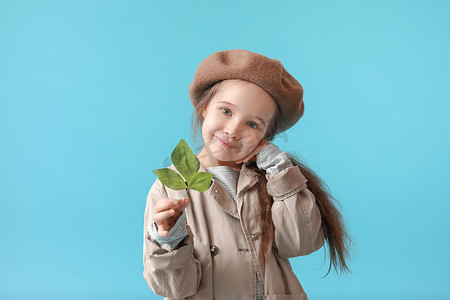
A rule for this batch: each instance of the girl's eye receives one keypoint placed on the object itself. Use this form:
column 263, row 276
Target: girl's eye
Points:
column 226, row 111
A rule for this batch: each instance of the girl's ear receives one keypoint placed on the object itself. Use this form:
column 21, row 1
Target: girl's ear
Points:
column 204, row 112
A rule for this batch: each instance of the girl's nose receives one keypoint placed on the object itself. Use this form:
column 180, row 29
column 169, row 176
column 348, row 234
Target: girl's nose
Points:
column 230, row 132
column 232, row 129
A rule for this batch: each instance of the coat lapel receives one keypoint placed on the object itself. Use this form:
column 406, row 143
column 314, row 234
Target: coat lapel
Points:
column 225, row 201
column 247, row 178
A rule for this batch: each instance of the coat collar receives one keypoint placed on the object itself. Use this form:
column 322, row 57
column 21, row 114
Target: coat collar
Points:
column 247, row 178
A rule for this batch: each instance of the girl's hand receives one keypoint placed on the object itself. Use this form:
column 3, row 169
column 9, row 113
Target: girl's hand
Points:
column 252, row 155
column 166, row 213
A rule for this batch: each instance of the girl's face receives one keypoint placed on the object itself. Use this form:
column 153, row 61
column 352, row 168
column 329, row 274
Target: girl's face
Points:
column 235, row 122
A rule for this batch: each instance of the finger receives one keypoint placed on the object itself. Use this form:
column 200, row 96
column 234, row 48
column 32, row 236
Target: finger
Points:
column 246, row 158
column 179, row 212
column 166, row 204
column 161, row 205
column 262, row 144
column 163, row 233
column 161, row 226
column 162, row 230
column 185, row 202
column 252, row 155
column 161, row 216
column 167, row 224
column 182, row 204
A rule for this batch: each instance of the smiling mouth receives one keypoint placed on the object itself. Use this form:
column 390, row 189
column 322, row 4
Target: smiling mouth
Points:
column 224, row 144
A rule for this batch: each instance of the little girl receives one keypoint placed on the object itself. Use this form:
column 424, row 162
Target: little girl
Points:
column 263, row 206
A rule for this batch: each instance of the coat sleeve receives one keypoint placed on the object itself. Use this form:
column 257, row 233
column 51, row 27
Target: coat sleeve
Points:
column 171, row 274
column 295, row 215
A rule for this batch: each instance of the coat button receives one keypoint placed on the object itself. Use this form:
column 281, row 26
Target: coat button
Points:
column 254, row 235
column 214, row 250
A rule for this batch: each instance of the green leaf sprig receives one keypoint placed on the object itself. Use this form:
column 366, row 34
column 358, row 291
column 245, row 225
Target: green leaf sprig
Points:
column 188, row 165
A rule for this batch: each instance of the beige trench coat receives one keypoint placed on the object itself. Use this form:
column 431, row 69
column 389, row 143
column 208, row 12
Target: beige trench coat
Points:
column 219, row 257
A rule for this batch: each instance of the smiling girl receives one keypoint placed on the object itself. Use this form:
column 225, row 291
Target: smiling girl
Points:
column 263, row 206
column 234, row 123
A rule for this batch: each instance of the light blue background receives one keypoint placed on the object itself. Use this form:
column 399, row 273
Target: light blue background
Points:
column 94, row 97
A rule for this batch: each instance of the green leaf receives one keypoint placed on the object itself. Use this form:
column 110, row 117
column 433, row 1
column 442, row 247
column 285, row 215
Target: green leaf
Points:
column 187, row 164
column 200, row 181
column 185, row 160
column 170, row 178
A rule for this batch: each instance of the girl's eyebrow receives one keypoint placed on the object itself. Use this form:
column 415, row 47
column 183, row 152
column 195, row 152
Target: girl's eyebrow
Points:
column 225, row 102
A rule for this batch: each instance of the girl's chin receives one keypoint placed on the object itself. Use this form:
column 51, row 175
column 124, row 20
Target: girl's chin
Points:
column 225, row 156
column 226, row 159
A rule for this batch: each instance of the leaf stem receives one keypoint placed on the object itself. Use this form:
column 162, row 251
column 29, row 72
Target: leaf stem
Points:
column 187, row 189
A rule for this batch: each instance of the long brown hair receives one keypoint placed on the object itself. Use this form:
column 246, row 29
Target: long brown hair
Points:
column 335, row 233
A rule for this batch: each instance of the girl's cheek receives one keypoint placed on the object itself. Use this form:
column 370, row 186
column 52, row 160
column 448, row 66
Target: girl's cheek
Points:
column 253, row 136
column 250, row 142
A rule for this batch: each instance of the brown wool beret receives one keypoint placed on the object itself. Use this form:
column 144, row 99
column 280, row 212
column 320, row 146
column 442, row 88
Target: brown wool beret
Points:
column 258, row 69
